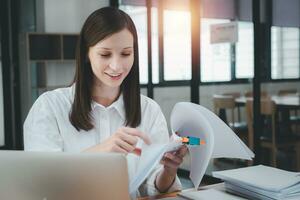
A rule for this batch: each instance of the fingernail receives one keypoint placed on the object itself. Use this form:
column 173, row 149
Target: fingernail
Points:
column 137, row 151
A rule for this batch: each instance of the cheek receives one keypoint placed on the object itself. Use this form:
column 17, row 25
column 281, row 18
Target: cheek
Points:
column 129, row 64
column 98, row 65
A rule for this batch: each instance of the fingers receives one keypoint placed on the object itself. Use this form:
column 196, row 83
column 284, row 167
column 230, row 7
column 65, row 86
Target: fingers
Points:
column 118, row 149
column 124, row 145
column 136, row 132
column 127, row 138
column 173, row 157
column 132, row 140
column 182, row 151
column 169, row 163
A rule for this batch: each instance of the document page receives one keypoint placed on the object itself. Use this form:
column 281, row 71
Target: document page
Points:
column 150, row 158
column 188, row 119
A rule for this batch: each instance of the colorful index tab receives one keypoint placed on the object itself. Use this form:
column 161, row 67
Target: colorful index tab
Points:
column 192, row 140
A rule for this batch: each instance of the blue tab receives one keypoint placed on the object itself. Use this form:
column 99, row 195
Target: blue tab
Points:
column 194, row 140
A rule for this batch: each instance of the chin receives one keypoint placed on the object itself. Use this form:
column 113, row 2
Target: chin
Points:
column 114, row 84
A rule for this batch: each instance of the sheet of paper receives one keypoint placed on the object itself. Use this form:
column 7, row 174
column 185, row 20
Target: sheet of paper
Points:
column 227, row 143
column 150, row 157
column 186, row 120
column 209, row 195
column 190, row 119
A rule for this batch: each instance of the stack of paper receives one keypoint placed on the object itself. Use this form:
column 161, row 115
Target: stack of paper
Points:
column 262, row 182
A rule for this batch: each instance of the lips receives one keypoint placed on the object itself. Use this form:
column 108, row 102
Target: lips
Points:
column 114, row 76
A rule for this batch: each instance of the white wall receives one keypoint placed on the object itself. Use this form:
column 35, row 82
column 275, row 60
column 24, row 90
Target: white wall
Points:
column 1, row 109
column 167, row 97
column 65, row 16
column 68, row 16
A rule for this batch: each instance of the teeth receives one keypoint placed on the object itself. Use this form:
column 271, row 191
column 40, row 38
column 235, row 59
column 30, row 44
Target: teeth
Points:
column 114, row 75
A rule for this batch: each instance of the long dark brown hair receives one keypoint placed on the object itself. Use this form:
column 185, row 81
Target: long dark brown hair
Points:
column 99, row 25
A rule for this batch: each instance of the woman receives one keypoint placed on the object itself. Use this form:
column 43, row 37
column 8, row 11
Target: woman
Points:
column 103, row 110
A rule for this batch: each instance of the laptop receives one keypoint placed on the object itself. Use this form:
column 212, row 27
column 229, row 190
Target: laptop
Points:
column 47, row 176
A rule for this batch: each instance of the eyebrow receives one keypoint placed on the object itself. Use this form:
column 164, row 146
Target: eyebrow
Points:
column 105, row 48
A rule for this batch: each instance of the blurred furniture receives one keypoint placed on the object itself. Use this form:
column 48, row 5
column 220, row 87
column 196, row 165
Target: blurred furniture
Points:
column 263, row 94
column 224, row 104
column 287, row 92
column 235, row 95
column 48, row 62
column 294, row 114
column 270, row 138
column 45, row 54
column 282, row 102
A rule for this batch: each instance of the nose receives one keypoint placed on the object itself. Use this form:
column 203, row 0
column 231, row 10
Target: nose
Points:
column 115, row 64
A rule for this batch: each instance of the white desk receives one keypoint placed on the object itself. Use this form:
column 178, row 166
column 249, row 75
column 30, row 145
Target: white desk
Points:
column 173, row 196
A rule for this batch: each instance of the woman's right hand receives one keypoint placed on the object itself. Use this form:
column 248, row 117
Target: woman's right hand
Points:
column 123, row 140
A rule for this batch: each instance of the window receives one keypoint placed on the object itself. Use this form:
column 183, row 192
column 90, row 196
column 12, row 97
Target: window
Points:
column 285, row 52
column 245, row 51
column 215, row 58
column 154, row 36
column 139, row 17
column 177, row 45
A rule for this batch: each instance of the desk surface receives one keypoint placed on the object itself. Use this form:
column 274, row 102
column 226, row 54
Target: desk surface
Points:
column 173, row 195
column 292, row 101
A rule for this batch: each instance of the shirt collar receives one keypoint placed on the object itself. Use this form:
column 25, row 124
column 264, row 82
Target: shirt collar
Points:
column 117, row 105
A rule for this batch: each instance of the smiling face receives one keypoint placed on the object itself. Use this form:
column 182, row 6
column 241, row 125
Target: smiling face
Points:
column 111, row 59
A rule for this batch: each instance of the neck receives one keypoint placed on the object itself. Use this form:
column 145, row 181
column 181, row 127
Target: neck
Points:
column 105, row 95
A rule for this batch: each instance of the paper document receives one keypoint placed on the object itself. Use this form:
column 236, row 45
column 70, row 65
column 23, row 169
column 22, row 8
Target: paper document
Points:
column 260, row 176
column 188, row 119
column 262, row 182
column 150, row 157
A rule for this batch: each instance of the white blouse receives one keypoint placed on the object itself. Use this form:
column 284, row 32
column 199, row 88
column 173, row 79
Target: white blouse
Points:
column 47, row 128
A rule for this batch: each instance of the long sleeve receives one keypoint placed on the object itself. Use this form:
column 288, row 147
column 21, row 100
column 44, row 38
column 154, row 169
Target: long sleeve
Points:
column 41, row 132
column 159, row 134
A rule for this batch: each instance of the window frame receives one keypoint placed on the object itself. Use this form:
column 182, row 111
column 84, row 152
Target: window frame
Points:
column 233, row 80
column 270, row 66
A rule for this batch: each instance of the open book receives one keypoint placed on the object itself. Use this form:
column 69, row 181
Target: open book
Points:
column 190, row 119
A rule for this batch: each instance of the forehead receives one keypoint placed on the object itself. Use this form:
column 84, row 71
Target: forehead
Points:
column 122, row 39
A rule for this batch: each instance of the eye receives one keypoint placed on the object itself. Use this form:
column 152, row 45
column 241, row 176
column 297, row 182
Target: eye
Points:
column 126, row 54
column 105, row 55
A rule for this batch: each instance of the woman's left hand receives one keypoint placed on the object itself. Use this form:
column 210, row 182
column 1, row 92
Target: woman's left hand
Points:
column 172, row 160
